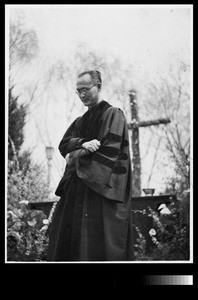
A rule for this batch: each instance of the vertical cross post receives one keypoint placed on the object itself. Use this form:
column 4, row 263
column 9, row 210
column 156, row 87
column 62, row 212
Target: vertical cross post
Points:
column 136, row 164
column 134, row 127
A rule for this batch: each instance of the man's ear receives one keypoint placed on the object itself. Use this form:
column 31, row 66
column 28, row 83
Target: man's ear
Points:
column 99, row 86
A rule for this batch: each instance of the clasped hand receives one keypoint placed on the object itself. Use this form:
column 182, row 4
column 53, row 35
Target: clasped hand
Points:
column 92, row 145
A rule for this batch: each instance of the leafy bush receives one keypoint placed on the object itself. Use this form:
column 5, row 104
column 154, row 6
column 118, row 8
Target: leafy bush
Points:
column 17, row 114
column 169, row 234
column 26, row 239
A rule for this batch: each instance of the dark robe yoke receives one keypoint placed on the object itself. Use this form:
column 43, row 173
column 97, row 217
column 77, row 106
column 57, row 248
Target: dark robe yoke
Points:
column 92, row 220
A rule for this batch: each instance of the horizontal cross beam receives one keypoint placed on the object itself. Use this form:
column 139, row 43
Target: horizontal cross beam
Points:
column 135, row 124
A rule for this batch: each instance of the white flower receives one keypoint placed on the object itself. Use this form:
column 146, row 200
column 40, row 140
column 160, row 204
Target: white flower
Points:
column 44, row 228
column 24, row 202
column 12, row 214
column 152, row 232
column 164, row 209
column 46, row 221
column 32, row 223
column 155, row 241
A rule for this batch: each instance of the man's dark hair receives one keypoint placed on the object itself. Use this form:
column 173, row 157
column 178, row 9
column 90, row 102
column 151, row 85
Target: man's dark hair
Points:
column 95, row 76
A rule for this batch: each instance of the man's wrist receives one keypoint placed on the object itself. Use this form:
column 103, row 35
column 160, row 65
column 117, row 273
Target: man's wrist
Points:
column 80, row 142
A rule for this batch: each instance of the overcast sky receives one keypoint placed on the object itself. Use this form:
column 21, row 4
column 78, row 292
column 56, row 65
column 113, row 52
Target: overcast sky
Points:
column 143, row 33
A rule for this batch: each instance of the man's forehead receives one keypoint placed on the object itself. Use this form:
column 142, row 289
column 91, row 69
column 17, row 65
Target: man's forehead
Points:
column 84, row 81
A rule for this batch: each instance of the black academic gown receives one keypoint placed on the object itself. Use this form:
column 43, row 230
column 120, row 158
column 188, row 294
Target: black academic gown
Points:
column 92, row 220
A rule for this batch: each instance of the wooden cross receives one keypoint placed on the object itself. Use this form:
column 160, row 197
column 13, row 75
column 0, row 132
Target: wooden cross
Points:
column 134, row 126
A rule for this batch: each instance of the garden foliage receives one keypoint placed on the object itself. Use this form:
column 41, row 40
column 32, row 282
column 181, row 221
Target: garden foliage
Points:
column 26, row 240
column 169, row 235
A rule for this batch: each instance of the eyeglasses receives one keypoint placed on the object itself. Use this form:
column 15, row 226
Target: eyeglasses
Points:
column 84, row 90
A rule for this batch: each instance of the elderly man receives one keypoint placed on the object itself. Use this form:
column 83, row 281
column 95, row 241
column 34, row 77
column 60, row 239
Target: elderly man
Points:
column 92, row 220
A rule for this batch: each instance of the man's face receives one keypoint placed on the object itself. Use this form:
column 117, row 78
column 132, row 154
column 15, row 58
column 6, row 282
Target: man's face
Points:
column 87, row 90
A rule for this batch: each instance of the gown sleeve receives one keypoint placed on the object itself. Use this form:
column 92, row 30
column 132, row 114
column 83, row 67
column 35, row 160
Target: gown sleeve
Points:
column 107, row 171
column 70, row 141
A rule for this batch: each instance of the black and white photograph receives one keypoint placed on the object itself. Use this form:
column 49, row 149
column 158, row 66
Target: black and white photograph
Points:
column 98, row 133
